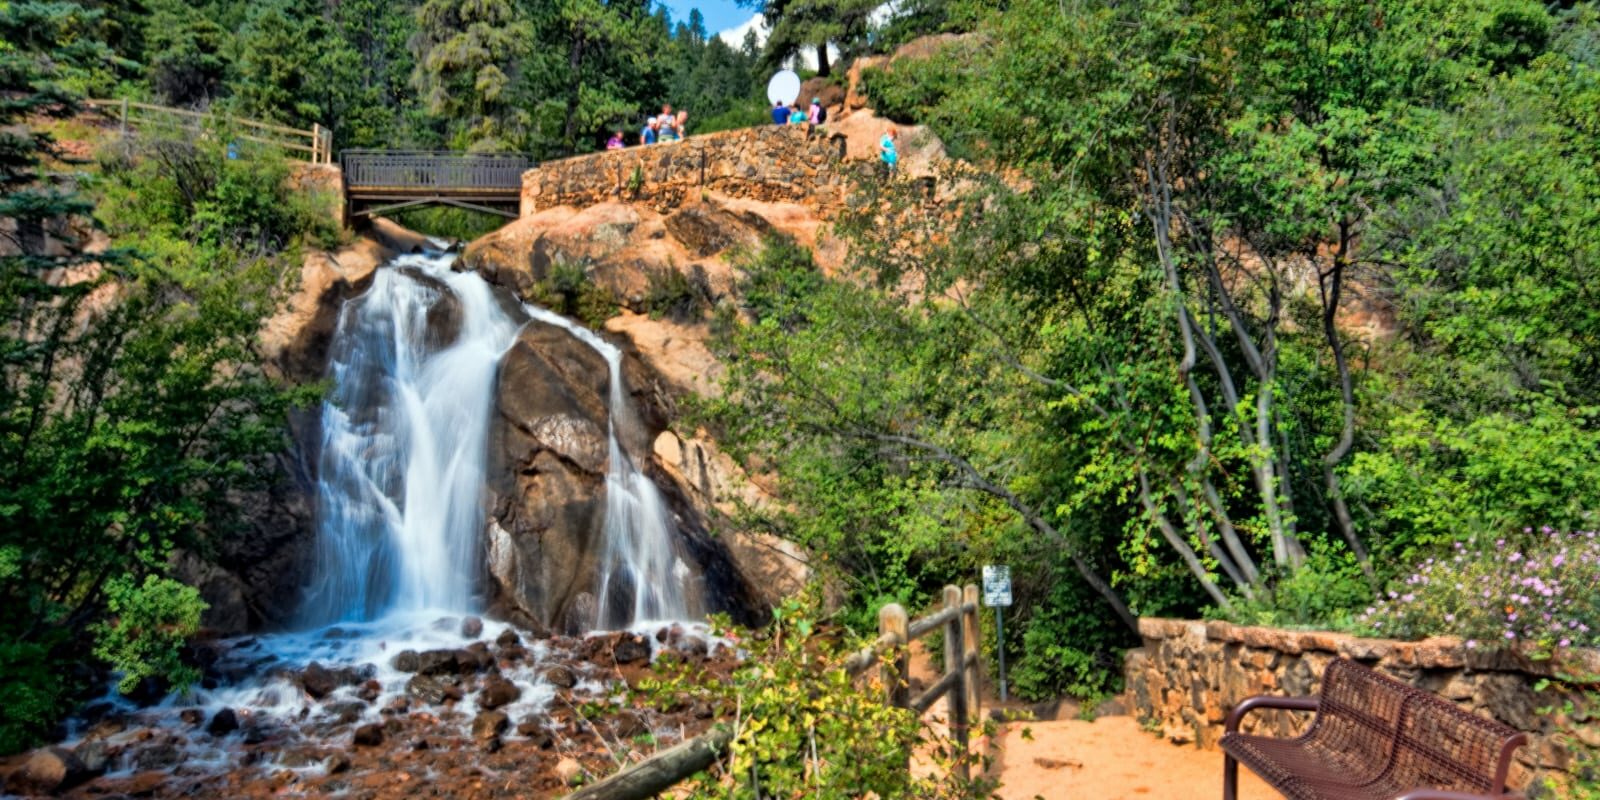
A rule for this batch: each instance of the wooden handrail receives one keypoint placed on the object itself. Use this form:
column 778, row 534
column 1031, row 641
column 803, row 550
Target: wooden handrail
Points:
column 959, row 683
column 318, row 141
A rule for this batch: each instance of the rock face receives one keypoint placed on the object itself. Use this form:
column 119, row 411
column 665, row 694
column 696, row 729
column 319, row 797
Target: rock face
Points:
column 548, row 462
column 1189, row 675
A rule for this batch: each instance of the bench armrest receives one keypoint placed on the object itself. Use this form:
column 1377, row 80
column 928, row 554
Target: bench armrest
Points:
column 1269, row 701
column 1437, row 794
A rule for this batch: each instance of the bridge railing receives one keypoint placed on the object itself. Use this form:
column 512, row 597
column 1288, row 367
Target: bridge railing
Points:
column 425, row 171
column 314, row 145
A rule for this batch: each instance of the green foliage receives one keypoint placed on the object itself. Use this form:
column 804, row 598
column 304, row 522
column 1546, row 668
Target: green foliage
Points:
column 671, row 293
column 801, row 726
column 146, row 628
column 569, row 290
column 35, row 694
column 445, row 222
column 1322, row 593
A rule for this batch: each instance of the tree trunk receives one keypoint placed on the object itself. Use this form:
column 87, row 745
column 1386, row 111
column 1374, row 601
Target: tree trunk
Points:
column 823, row 68
column 1331, row 286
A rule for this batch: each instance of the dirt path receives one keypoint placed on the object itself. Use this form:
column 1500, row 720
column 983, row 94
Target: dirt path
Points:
column 1108, row 759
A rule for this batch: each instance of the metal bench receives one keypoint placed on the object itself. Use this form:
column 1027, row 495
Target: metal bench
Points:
column 1373, row 738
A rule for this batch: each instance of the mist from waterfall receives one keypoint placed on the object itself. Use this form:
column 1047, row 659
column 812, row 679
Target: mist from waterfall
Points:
column 643, row 577
column 402, row 470
column 404, row 433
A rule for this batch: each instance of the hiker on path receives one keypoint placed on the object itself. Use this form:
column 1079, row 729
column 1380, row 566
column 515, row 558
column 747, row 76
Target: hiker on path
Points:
column 780, row 113
column 817, row 114
column 648, row 134
column 887, row 150
column 796, row 116
column 615, row 142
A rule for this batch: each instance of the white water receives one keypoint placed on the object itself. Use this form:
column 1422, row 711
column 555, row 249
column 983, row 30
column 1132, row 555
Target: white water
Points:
column 643, row 577
column 404, row 431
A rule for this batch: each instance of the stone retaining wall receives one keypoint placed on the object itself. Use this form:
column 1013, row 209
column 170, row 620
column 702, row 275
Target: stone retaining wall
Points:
column 1189, row 675
column 768, row 163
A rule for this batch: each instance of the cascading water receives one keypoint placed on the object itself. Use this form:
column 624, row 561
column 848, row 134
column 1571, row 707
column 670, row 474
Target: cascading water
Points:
column 400, row 515
column 643, row 577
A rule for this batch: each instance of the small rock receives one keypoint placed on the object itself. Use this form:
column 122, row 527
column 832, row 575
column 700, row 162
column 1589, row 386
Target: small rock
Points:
column 369, row 735
column 474, row 658
column 538, row 735
column 405, row 661
column 157, row 756
column 436, row 662
column 508, row 638
column 318, row 681
column 561, row 676
column 335, row 764
column 489, row 724
column 348, row 711
column 95, row 755
column 1056, row 763
column 569, row 770
column 629, row 724
column 498, row 691
column 630, row 649
column 192, row 717
column 472, row 627
column 369, row 691
column 223, row 723
column 47, row 771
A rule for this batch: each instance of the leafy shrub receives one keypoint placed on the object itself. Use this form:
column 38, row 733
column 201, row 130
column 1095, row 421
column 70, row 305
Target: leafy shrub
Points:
column 802, row 727
column 147, row 626
column 777, row 281
column 568, row 290
column 1535, row 590
column 1325, row 592
column 672, row 294
column 33, row 695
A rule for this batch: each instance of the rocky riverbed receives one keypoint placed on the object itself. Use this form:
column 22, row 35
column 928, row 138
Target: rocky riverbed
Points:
column 435, row 706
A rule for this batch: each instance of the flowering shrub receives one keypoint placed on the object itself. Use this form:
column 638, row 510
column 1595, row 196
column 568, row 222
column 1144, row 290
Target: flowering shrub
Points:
column 1536, row 592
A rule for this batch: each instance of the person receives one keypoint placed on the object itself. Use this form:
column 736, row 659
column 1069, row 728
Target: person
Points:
column 887, row 151
column 817, row 115
column 683, row 124
column 666, row 115
column 796, row 116
column 615, row 142
column 780, row 113
column 648, row 134
column 668, row 127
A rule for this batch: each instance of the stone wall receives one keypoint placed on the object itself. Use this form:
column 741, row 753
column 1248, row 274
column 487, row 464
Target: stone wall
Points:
column 1189, row 675
column 768, row 163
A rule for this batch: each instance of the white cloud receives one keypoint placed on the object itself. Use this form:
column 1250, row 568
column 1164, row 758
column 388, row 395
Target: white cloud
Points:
column 734, row 37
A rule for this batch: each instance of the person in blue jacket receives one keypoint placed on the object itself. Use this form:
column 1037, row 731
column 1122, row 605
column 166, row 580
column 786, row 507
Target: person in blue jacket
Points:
column 780, row 113
column 648, row 134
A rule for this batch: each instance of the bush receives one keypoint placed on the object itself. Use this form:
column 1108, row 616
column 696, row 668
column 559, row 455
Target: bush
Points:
column 1325, row 592
column 1534, row 590
column 672, row 294
column 568, row 290
column 147, row 626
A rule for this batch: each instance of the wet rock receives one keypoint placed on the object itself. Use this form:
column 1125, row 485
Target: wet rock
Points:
column 96, row 755
column 629, row 724
column 318, row 681
column 431, row 689
column 368, row 736
column 436, row 662
column 47, row 771
column 347, row 712
column 631, row 648
column 161, row 755
column 406, row 661
column 561, row 676
column 335, row 764
column 508, row 638
column 474, row 658
column 489, row 724
column 192, row 717
column 693, row 647
column 471, row 627
column 223, row 723
column 538, row 735
column 369, row 691
column 498, row 691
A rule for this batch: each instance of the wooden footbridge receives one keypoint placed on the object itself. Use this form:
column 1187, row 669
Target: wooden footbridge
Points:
column 383, row 181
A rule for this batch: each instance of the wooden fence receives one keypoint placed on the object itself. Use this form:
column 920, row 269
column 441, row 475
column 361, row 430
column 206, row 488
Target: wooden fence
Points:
column 315, row 145
column 957, row 617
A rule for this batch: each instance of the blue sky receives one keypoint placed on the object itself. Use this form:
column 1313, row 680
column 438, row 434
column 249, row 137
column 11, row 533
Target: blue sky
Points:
column 720, row 14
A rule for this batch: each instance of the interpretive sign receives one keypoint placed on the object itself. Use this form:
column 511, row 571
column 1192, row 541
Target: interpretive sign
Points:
column 996, row 586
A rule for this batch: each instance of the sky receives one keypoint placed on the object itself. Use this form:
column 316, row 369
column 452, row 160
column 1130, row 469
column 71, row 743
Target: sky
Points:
column 720, row 15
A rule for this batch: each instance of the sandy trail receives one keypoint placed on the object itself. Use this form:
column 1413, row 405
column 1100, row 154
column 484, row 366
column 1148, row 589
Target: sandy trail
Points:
column 1108, row 759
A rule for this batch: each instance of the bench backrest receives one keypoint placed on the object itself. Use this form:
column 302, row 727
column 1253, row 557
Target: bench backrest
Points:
column 1413, row 737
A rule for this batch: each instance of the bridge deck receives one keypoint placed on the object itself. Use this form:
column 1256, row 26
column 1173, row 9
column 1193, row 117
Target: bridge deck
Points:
column 479, row 181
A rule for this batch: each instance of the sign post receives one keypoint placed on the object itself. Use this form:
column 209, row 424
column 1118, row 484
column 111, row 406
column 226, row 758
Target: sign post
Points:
column 997, row 595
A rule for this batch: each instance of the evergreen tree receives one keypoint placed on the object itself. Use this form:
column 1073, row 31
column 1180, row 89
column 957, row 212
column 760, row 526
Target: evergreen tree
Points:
column 798, row 24
column 468, row 56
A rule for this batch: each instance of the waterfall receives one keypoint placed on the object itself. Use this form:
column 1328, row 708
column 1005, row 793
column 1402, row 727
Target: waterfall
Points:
column 405, row 428
column 404, row 432
column 643, row 577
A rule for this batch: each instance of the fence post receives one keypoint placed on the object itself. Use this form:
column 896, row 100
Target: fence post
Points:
column 893, row 619
column 974, row 642
column 956, row 698
column 316, row 143
column 124, row 117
